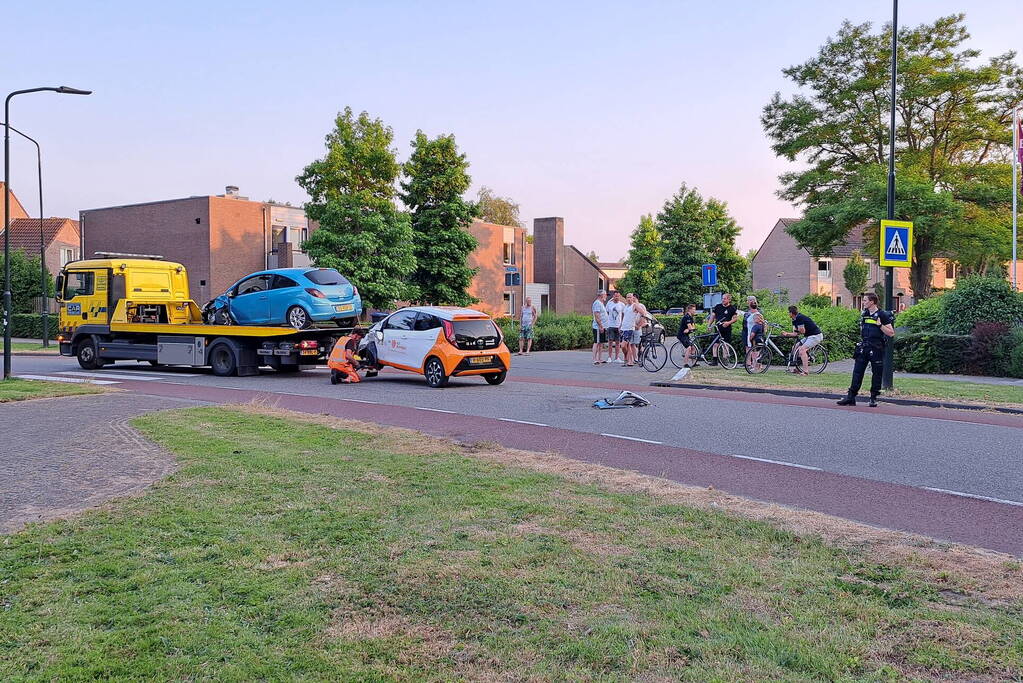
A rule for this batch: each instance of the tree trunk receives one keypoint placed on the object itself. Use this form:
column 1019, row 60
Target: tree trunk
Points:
column 920, row 276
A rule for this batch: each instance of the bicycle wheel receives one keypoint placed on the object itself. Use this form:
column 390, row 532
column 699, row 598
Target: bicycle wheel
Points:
column 758, row 360
column 677, row 354
column 655, row 357
column 727, row 357
column 818, row 357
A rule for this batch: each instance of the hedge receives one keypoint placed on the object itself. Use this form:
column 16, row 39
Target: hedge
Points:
column 931, row 353
column 30, row 325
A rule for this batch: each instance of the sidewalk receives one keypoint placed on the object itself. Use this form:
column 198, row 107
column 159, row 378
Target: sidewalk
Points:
column 846, row 366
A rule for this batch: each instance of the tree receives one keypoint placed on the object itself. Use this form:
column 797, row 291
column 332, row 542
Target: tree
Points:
column 645, row 259
column 351, row 194
column 682, row 223
column 593, row 256
column 436, row 178
column 25, row 281
column 855, row 274
column 498, row 210
column 722, row 230
column 952, row 133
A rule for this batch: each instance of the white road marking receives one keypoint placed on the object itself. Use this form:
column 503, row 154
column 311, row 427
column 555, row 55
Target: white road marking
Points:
column 360, row 400
column 975, row 496
column 632, row 438
column 523, row 422
column 111, row 375
column 776, row 462
column 435, row 410
column 73, row 380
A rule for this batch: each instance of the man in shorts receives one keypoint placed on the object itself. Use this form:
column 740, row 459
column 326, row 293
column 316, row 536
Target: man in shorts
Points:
column 724, row 314
column 812, row 336
column 615, row 311
column 686, row 327
column 527, row 318
column 628, row 329
column 599, row 313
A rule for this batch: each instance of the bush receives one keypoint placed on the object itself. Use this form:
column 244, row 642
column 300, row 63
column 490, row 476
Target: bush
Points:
column 815, row 301
column 552, row 332
column 985, row 346
column 30, row 325
column 926, row 316
column 981, row 299
column 1008, row 355
column 766, row 297
column 931, row 353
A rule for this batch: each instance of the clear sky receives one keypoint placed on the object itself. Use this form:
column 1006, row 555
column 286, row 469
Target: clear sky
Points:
column 591, row 111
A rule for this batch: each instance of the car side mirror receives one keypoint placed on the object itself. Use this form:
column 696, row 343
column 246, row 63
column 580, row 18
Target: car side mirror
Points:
column 59, row 288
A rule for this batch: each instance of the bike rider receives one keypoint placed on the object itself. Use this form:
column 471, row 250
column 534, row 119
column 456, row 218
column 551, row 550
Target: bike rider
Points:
column 875, row 330
column 724, row 314
column 812, row 336
column 686, row 326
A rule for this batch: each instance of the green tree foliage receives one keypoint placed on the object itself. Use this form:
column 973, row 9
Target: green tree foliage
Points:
column 695, row 231
column 953, row 133
column 499, row 210
column 855, row 274
column 26, row 285
column 645, row 259
column 436, row 179
column 977, row 299
column 362, row 233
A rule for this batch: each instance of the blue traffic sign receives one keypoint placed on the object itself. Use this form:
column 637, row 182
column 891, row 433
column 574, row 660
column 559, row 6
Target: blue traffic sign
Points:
column 897, row 243
column 710, row 275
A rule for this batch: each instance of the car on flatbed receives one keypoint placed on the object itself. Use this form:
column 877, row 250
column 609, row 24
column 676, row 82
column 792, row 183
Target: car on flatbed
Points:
column 440, row 342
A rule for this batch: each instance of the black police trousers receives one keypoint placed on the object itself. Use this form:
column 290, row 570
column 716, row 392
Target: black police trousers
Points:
column 867, row 354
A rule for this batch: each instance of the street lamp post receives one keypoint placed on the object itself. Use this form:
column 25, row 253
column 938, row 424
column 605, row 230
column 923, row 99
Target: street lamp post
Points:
column 42, row 240
column 64, row 90
column 889, row 272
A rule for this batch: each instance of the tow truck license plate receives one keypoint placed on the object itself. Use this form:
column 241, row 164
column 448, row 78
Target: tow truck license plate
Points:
column 481, row 360
column 344, row 308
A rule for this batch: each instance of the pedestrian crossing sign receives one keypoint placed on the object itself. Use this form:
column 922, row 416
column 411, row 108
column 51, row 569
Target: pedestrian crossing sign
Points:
column 896, row 244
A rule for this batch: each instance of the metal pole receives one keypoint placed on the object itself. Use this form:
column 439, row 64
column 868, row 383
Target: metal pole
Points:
column 889, row 272
column 7, row 237
column 1015, row 191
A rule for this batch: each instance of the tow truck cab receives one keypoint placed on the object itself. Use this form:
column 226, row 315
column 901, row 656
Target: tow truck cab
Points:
column 137, row 307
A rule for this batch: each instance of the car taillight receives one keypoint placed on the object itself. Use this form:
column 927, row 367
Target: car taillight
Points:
column 449, row 330
column 315, row 292
column 308, row 344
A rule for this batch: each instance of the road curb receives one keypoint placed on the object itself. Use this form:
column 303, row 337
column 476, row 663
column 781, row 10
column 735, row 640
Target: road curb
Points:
column 35, row 354
column 819, row 394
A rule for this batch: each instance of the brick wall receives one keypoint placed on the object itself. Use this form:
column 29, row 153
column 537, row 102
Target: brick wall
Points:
column 548, row 247
column 489, row 283
column 236, row 240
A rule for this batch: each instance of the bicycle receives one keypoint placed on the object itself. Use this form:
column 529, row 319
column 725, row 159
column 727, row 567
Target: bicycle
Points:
column 760, row 356
column 652, row 354
column 726, row 356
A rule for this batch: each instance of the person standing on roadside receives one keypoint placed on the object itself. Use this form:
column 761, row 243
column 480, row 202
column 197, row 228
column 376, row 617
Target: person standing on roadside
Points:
column 599, row 313
column 628, row 329
column 527, row 319
column 724, row 314
column 686, row 327
column 875, row 331
column 615, row 311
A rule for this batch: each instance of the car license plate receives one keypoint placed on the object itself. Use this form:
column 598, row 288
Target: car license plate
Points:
column 481, row 360
column 344, row 308
column 310, row 352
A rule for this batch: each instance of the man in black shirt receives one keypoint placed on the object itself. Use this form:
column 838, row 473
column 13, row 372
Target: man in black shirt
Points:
column 875, row 331
column 724, row 315
column 686, row 326
column 812, row 336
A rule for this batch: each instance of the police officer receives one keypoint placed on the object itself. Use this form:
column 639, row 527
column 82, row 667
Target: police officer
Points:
column 875, row 330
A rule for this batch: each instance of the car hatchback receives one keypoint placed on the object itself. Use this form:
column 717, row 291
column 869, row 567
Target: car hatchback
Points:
column 289, row 296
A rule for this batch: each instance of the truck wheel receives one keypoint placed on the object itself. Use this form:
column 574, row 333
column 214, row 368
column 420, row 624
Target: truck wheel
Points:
column 223, row 360
column 434, row 373
column 297, row 317
column 88, row 357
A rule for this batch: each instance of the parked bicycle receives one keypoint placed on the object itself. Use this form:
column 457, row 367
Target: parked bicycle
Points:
column 652, row 353
column 724, row 353
column 759, row 358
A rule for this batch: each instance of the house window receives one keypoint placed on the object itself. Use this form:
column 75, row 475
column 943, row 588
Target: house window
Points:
column 509, row 303
column 838, row 301
column 66, row 256
column 600, row 284
column 303, row 235
column 824, row 269
column 950, row 270
column 512, row 279
column 509, row 253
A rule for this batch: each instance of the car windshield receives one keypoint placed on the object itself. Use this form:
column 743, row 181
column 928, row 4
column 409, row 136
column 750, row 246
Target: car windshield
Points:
column 326, row 276
column 474, row 329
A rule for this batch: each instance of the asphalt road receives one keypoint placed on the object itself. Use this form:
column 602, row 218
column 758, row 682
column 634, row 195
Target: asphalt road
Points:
column 804, row 452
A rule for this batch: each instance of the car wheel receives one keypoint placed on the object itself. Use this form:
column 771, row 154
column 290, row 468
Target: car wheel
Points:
column 297, row 317
column 434, row 373
column 496, row 378
column 223, row 361
column 88, row 358
column 221, row 317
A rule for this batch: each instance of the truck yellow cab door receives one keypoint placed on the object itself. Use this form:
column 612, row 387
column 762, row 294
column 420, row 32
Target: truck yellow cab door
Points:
column 84, row 298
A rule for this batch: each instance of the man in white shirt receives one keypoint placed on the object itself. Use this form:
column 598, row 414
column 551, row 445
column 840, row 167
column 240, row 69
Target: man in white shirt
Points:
column 628, row 329
column 599, row 312
column 615, row 311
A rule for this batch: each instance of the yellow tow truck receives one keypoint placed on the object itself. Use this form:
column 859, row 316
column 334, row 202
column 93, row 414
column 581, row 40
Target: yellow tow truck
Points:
column 137, row 307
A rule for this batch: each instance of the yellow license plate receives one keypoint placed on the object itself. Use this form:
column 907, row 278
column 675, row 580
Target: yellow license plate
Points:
column 310, row 352
column 481, row 360
column 344, row 308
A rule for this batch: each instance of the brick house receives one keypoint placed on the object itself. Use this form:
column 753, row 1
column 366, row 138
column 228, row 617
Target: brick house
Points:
column 504, row 259
column 60, row 240
column 17, row 210
column 781, row 264
column 572, row 279
column 615, row 271
column 218, row 238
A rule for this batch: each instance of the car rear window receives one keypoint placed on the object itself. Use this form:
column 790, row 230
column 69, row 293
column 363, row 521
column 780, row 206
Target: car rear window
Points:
column 482, row 327
column 326, row 276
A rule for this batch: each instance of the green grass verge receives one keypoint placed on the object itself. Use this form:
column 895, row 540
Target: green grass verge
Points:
column 904, row 386
column 292, row 550
column 15, row 389
column 26, row 346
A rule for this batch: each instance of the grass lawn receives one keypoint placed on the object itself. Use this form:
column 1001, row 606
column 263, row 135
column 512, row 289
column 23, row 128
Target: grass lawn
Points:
column 288, row 549
column 904, row 386
column 15, row 389
column 26, row 346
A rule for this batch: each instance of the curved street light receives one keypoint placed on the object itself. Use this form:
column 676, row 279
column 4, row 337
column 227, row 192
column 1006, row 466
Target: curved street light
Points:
column 64, row 90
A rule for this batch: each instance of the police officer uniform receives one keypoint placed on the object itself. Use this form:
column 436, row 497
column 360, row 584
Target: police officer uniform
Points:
column 870, row 351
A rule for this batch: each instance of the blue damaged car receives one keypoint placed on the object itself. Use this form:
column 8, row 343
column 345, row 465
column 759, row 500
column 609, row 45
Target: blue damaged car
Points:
column 297, row 297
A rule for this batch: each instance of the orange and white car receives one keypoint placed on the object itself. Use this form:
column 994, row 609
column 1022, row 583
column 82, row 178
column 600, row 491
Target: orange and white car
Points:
column 440, row 342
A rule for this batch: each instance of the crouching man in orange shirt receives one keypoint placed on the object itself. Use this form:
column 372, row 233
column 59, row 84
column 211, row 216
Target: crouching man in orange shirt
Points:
column 344, row 360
